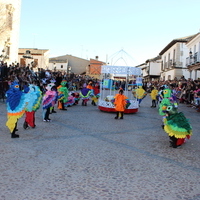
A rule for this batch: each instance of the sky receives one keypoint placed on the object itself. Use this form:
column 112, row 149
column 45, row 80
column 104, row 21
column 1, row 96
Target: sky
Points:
column 119, row 32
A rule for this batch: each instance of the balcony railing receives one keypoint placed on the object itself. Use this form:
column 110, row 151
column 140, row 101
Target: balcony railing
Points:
column 171, row 64
column 193, row 59
column 168, row 65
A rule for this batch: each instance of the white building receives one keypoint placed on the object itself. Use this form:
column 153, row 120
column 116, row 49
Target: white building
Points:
column 69, row 64
column 173, row 58
column 36, row 58
column 59, row 64
column 9, row 30
column 193, row 58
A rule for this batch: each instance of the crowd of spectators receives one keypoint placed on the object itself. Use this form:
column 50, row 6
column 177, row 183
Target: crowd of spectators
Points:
column 186, row 90
column 27, row 75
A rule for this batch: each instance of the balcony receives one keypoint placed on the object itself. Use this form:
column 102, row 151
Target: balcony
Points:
column 193, row 59
column 169, row 65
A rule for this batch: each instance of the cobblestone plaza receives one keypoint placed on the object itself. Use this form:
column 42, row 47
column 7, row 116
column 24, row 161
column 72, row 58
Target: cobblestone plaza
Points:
column 84, row 153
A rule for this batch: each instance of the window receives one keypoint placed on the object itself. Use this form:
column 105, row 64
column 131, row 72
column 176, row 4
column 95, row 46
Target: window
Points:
column 61, row 66
column 174, row 53
column 165, row 64
column 168, row 66
column 194, row 49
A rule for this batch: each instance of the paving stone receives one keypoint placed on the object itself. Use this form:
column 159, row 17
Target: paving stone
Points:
column 84, row 153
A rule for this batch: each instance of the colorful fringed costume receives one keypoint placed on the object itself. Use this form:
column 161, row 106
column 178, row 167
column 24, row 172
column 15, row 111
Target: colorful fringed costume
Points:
column 62, row 95
column 16, row 103
column 48, row 101
column 76, row 97
column 54, row 88
column 34, row 98
column 175, row 123
column 71, row 101
column 85, row 94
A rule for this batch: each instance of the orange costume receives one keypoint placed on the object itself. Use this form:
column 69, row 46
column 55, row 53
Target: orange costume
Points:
column 120, row 104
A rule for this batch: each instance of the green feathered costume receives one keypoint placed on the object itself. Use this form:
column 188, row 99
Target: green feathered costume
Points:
column 175, row 123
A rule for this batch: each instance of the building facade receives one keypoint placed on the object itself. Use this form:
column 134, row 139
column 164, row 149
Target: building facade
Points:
column 9, row 30
column 151, row 69
column 193, row 58
column 173, row 58
column 70, row 64
column 36, row 58
column 94, row 68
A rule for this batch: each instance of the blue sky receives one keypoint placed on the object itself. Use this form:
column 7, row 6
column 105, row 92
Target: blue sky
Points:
column 122, row 32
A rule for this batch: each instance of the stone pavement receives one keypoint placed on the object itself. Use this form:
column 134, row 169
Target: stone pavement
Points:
column 84, row 153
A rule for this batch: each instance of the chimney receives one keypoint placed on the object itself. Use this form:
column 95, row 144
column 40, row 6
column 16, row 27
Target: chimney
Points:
column 97, row 57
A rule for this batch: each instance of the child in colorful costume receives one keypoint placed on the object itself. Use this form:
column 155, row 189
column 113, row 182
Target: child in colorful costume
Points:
column 49, row 100
column 54, row 88
column 139, row 93
column 175, row 123
column 96, row 94
column 71, row 100
column 16, row 103
column 62, row 95
column 154, row 94
column 76, row 96
column 85, row 94
column 120, row 104
column 34, row 98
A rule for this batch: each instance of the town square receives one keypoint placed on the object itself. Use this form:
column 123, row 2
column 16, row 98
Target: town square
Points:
column 99, row 100
column 85, row 153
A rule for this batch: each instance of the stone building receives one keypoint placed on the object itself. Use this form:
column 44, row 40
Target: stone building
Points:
column 9, row 30
column 37, row 58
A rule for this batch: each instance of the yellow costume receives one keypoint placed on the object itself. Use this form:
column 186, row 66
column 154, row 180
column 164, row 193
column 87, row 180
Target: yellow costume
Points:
column 154, row 94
